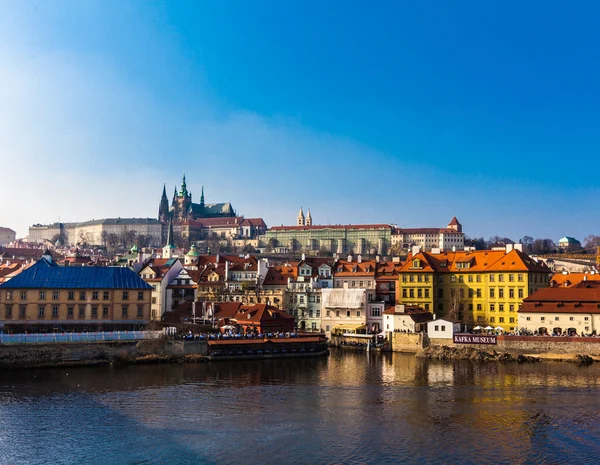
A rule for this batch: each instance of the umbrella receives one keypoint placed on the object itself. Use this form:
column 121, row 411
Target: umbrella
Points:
column 499, row 328
column 488, row 328
column 477, row 327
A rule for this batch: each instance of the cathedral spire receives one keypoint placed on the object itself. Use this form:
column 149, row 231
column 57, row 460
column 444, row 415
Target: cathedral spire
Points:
column 202, row 198
column 170, row 246
column 308, row 218
column 163, row 209
column 183, row 191
column 301, row 219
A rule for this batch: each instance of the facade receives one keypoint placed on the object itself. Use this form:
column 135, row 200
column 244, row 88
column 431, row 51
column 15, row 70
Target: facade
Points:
column 343, row 310
column 159, row 273
column 477, row 287
column 566, row 279
column 445, row 239
column 404, row 318
column 183, row 208
column 236, row 228
column 442, row 328
column 99, row 232
column 562, row 310
column 47, row 296
column 7, row 235
column 368, row 239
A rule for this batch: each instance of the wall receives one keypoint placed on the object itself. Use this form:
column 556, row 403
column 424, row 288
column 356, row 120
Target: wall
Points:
column 407, row 342
column 42, row 355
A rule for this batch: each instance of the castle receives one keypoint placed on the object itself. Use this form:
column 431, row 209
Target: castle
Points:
column 182, row 208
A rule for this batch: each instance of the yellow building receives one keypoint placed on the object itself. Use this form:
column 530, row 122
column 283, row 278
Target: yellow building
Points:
column 482, row 287
column 47, row 297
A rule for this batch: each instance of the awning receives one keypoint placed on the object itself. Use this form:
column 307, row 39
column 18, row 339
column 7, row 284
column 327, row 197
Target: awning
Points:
column 349, row 327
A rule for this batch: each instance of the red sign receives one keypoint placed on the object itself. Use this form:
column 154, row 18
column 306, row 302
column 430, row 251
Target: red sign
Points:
column 475, row 339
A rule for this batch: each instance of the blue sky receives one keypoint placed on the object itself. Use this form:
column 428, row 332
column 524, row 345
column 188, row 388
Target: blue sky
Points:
column 371, row 112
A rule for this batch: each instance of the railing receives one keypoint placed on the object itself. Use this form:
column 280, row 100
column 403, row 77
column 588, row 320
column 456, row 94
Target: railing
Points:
column 39, row 338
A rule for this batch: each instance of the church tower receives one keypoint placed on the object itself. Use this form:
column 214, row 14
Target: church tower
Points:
column 308, row 219
column 301, row 220
column 163, row 208
column 169, row 248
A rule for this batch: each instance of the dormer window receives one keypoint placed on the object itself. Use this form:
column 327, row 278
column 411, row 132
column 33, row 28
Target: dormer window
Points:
column 417, row 263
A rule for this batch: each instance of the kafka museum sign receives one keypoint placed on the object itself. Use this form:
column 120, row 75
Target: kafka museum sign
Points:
column 474, row 339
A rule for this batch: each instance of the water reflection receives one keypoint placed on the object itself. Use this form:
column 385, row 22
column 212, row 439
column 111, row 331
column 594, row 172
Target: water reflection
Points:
column 349, row 408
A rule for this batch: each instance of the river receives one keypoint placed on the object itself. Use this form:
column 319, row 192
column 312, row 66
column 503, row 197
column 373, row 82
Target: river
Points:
column 348, row 408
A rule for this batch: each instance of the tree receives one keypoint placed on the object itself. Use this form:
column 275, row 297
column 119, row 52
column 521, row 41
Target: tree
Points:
column 456, row 304
column 272, row 245
column 143, row 240
column 541, row 246
column 497, row 241
column 478, row 242
column 294, row 245
column 591, row 242
column 248, row 249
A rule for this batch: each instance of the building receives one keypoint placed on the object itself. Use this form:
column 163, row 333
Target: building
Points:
column 159, row 273
column 562, row 310
column 183, row 208
column 343, row 310
column 478, row 287
column 442, row 328
column 236, row 229
column 405, row 318
column 569, row 244
column 305, row 236
column 7, row 235
column 566, row 279
column 47, row 297
column 107, row 231
column 262, row 318
column 445, row 239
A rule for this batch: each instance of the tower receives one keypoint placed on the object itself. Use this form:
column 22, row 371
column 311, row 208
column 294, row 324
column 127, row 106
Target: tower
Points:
column 301, row 220
column 163, row 208
column 308, row 219
column 454, row 224
column 170, row 245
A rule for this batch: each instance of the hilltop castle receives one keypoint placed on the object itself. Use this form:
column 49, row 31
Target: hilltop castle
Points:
column 182, row 208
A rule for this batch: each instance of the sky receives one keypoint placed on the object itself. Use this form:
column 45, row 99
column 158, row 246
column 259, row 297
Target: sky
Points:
column 406, row 113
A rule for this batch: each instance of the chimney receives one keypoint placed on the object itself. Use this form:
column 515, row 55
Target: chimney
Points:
column 377, row 258
column 226, row 270
column 349, row 258
column 416, row 249
column 585, row 278
column 303, row 257
column 359, row 259
column 217, row 259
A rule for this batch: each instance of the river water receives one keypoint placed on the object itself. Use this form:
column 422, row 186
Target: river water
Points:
column 348, row 408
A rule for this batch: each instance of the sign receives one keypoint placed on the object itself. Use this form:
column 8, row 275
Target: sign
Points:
column 474, row 339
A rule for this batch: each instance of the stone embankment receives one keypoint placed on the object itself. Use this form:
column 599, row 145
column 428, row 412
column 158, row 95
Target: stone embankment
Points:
column 468, row 353
column 100, row 353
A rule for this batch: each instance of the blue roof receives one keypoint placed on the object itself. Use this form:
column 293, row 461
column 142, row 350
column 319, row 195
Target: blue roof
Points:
column 49, row 275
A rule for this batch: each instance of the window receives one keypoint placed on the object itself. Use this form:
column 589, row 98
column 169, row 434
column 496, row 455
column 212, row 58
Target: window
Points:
column 124, row 311
column 511, row 293
column 140, row 311
column 140, row 295
column 443, row 327
column 42, row 295
column 105, row 310
column 571, row 318
column 23, row 295
column 543, row 318
column 8, row 311
column 318, row 313
column 411, row 293
column 492, row 293
column 348, row 313
column 327, row 328
column 55, row 311
column 492, row 319
column 94, row 295
column 318, row 299
column 452, row 279
column 153, row 300
column 94, row 312
column 41, row 311
column 70, row 311
column 360, row 284
column 55, row 295
column 440, row 279
column 311, row 298
column 528, row 318
column 478, row 307
column 125, row 295
column 501, row 278
column 556, row 318
column 501, row 307
column 511, row 277
column 404, row 293
column 511, row 308
column 501, row 293
column 478, row 293
column 492, row 308
column 22, row 311
column 436, row 328
column 471, row 293
column 105, row 295
column 461, row 279
column 426, row 293
column 492, row 279
column 470, row 278
column 81, row 311
column 376, row 311
column 419, row 293
column 337, row 313
column 520, row 278
column 358, row 313
column 478, row 278
column 82, row 295
column 440, row 293
column 328, row 313
column 9, row 295
column 521, row 293
column 501, row 319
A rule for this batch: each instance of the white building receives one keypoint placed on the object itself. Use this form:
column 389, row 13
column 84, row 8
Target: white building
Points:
column 343, row 309
column 404, row 318
column 442, row 328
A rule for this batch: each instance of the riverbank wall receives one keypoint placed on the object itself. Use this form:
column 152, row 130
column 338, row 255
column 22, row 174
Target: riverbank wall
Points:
column 98, row 353
column 555, row 348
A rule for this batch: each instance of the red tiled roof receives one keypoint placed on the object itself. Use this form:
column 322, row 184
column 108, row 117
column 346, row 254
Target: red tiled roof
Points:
column 330, row 226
